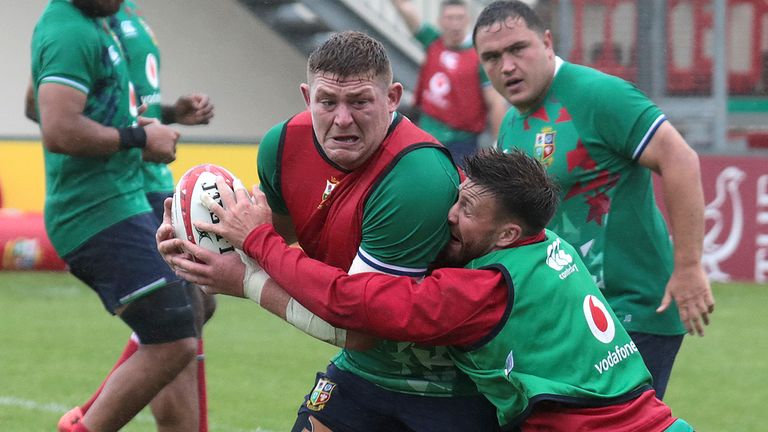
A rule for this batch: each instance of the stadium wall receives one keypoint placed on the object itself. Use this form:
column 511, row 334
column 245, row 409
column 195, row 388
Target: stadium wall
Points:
column 736, row 217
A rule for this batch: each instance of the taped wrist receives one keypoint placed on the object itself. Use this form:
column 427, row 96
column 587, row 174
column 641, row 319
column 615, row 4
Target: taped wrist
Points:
column 254, row 278
column 132, row 137
column 304, row 320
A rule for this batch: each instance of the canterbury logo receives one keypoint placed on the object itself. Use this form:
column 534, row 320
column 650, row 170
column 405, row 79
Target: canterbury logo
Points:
column 557, row 258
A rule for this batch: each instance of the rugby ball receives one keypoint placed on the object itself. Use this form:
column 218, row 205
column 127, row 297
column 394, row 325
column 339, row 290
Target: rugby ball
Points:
column 187, row 207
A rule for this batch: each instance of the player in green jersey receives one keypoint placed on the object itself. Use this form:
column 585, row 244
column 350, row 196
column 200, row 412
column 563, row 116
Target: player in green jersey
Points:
column 143, row 58
column 454, row 96
column 96, row 212
column 601, row 138
column 142, row 54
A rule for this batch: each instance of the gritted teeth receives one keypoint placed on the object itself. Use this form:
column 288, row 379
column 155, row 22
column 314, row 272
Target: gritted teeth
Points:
column 346, row 138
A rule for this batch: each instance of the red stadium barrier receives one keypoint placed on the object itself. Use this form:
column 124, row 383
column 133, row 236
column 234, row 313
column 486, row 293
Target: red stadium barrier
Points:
column 24, row 245
column 736, row 217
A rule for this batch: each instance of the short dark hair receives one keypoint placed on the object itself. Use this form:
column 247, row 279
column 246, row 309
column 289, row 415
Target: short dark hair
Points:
column 350, row 53
column 519, row 184
column 446, row 3
column 501, row 10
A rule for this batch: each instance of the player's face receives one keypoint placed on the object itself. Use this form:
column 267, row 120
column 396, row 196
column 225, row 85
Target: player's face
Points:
column 351, row 116
column 473, row 224
column 519, row 62
column 98, row 8
column 453, row 23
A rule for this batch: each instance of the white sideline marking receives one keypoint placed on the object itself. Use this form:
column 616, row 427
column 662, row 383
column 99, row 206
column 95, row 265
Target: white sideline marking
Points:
column 11, row 401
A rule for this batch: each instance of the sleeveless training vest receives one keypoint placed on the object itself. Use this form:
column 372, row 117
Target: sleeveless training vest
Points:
column 449, row 88
column 555, row 310
column 325, row 202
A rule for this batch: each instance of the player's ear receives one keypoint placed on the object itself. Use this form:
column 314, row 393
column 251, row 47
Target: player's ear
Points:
column 508, row 234
column 394, row 94
column 305, row 93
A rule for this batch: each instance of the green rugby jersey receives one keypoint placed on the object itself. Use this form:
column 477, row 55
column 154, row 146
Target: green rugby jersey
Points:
column 143, row 57
column 589, row 132
column 555, row 310
column 403, row 227
column 85, row 195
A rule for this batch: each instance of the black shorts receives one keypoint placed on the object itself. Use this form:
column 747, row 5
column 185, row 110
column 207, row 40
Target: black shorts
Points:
column 345, row 402
column 122, row 263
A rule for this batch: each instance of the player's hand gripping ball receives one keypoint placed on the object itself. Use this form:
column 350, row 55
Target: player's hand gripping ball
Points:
column 187, row 207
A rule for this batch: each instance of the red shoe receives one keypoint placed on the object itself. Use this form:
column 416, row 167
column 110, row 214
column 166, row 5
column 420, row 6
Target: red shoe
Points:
column 68, row 420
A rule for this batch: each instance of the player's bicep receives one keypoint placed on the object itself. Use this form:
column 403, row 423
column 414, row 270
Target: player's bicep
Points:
column 267, row 163
column 60, row 106
column 405, row 221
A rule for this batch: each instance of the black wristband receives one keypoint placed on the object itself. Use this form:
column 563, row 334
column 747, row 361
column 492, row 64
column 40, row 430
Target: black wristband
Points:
column 132, row 137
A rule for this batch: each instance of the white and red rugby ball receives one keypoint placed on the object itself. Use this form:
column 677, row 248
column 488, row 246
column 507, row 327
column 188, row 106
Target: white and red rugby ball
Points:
column 187, row 207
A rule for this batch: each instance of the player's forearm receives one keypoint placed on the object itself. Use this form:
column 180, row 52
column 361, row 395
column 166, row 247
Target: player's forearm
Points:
column 168, row 114
column 684, row 200
column 382, row 305
column 293, row 279
column 80, row 137
column 410, row 15
column 64, row 127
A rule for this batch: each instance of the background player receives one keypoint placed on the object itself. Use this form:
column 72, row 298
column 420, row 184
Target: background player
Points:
column 96, row 212
column 144, row 62
column 601, row 138
column 143, row 56
column 453, row 93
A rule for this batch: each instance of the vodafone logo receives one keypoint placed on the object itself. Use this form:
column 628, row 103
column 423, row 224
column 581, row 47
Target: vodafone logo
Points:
column 439, row 84
column 598, row 319
column 150, row 67
column 133, row 107
column 449, row 59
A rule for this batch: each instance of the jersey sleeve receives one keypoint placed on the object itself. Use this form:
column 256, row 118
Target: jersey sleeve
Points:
column 405, row 219
column 69, row 57
column 267, row 163
column 439, row 310
column 627, row 118
column 426, row 35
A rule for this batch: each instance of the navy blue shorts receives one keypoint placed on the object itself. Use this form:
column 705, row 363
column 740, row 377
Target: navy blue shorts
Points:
column 122, row 263
column 659, row 354
column 345, row 402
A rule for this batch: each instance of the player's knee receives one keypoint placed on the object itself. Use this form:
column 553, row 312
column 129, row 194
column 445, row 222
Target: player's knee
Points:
column 162, row 316
column 209, row 306
column 305, row 422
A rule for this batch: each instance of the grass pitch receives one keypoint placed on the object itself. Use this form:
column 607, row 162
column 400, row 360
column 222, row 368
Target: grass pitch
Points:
column 57, row 343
